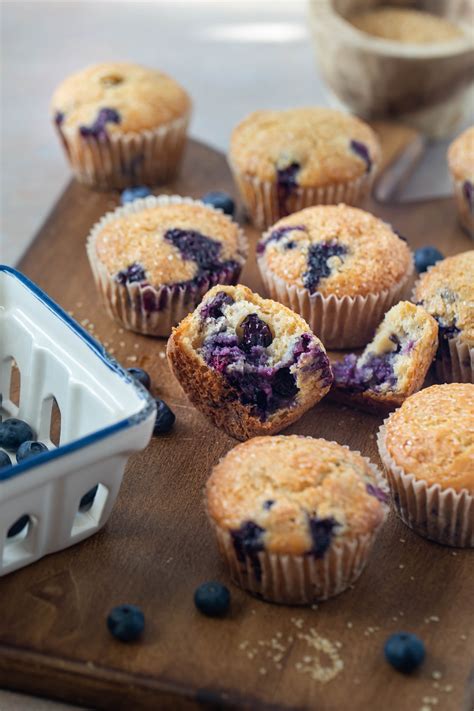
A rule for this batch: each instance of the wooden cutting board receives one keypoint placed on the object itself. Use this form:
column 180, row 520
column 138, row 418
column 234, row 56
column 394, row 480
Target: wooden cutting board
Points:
column 157, row 546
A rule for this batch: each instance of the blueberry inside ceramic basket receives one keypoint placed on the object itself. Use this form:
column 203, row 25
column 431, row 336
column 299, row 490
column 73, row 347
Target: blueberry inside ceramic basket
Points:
column 104, row 417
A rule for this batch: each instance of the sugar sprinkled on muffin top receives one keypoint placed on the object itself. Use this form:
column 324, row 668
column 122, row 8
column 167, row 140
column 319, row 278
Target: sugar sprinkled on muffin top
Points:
column 324, row 146
column 405, row 25
column 461, row 156
column 431, row 436
column 446, row 291
column 135, row 98
column 297, row 490
column 156, row 238
column 335, row 249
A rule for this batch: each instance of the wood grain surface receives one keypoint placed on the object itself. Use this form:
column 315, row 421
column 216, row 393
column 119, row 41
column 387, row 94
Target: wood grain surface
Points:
column 157, row 546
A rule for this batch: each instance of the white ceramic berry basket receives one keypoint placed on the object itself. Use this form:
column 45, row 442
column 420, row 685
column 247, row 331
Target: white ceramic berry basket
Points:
column 105, row 416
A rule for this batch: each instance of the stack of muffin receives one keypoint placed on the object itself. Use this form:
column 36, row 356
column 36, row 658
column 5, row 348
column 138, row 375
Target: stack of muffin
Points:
column 295, row 517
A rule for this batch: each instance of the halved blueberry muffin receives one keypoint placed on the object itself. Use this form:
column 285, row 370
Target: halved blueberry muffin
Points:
column 284, row 161
column 154, row 259
column 249, row 364
column 295, row 517
column 340, row 267
column 461, row 166
column 446, row 291
column 393, row 365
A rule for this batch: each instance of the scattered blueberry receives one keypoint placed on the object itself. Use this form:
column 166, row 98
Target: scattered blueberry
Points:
column 425, row 257
column 14, row 432
column 88, row 499
column 363, row 152
column 212, row 599
column 165, row 418
column 321, row 530
column 131, row 194
column 140, row 375
column 404, row 651
column 5, row 460
column 255, row 332
column 18, row 526
column 134, row 272
column 126, row 622
column 98, row 129
column 221, row 200
column 30, row 449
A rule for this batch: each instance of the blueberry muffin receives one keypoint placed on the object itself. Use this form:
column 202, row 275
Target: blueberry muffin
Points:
column 446, row 291
column 295, row 517
column 393, row 365
column 121, row 124
column 339, row 267
column 154, row 259
column 284, row 161
column 461, row 166
column 427, row 448
column 250, row 365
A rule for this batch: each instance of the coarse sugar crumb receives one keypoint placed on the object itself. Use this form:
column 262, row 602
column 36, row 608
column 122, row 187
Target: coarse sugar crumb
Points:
column 401, row 566
column 349, row 625
column 436, row 675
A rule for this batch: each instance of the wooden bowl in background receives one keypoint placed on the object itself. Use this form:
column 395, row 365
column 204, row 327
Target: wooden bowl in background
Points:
column 426, row 85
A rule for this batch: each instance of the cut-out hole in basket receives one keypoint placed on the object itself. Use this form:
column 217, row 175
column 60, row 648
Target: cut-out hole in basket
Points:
column 55, row 424
column 20, row 541
column 90, row 508
column 19, row 528
column 15, row 384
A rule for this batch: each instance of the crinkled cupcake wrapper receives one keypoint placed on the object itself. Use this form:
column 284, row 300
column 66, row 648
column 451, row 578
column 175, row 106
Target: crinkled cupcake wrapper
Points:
column 301, row 579
column 442, row 515
column 144, row 308
column 455, row 362
column 466, row 216
column 347, row 322
column 261, row 197
column 117, row 161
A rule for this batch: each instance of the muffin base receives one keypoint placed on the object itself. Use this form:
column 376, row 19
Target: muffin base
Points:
column 146, row 309
column 260, row 197
column 441, row 515
column 455, row 362
column 150, row 157
column 347, row 322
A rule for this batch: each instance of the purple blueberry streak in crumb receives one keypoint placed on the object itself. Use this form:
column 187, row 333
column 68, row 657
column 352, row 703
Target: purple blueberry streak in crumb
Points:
column 98, row 129
column 362, row 151
column 376, row 371
column 286, row 186
column 248, row 543
column 255, row 332
column 267, row 505
column 322, row 532
column 278, row 235
column 133, row 273
column 213, row 308
column 379, row 493
column 318, row 268
column 468, row 192
column 58, row 118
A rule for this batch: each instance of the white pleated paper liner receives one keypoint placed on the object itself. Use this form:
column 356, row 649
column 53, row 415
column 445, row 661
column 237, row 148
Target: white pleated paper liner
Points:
column 301, row 579
column 340, row 322
column 466, row 215
column 146, row 309
column 442, row 515
column 117, row 161
column 260, row 197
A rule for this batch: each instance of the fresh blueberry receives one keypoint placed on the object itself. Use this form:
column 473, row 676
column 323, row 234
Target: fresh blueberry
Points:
column 404, row 651
column 255, row 332
column 30, row 449
column 212, row 599
column 14, row 432
column 88, row 499
column 221, row 200
column 126, row 622
column 425, row 257
column 165, row 418
column 131, row 194
column 18, row 526
column 140, row 375
column 5, row 460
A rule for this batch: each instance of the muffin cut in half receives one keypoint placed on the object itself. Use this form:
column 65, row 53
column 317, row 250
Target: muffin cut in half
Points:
column 393, row 366
column 295, row 517
column 249, row 364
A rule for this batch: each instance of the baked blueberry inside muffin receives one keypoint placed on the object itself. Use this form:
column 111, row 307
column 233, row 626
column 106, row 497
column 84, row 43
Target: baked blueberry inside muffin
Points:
column 262, row 365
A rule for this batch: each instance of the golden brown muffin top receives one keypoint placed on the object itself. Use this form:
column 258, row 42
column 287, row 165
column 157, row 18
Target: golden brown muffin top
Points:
column 431, row 436
column 319, row 141
column 335, row 249
column 166, row 241
column 405, row 25
column 446, row 291
column 303, row 493
column 461, row 156
column 139, row 99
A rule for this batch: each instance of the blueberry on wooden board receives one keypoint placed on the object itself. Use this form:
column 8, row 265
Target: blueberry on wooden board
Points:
column 165, row 418
column 126, row 622
column 131, row 194
column 404, row 651
column 221, row 200
column 212, row 599
column 425, row 257
column 140, row 375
